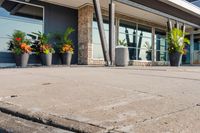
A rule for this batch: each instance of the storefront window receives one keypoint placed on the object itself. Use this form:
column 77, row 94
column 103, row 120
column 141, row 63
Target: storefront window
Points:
column 97, row 48
column 161, row 45
column 138, row 39
column 196, row 53
column 128, row 32
column 18, row 16
column 144, row 43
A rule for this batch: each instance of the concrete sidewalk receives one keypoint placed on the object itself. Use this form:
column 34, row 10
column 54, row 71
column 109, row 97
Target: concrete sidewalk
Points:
column 133, row 99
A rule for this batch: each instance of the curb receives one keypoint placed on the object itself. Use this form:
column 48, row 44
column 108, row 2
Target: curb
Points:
column 51, row 120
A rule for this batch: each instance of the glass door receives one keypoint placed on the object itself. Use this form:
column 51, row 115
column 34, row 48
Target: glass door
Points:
column 196, row 51
column 186, row 55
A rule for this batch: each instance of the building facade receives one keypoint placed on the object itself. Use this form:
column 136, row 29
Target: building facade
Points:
column 196, row 52
column 142, row 24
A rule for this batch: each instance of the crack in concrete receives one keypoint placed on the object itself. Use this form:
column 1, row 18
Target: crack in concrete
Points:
column 161, row 116
column 169, row 77
column 144, row 92
column 164, row 115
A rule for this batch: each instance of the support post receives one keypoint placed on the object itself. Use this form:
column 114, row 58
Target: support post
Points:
column 169, row 25
column 153, row 45
column 183, row 28
column 112, row 32
column 177, row 25
column 191, row 48
column 102, row 34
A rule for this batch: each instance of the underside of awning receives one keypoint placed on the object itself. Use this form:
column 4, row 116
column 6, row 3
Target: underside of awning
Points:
column 183, row 13
column 156, row 11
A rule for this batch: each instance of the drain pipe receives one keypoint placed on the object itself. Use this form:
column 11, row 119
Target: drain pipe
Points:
column 102, row 34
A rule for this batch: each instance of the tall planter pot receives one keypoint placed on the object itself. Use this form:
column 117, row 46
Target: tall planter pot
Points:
column 121, row 56
column 175, row 59
column 66, row 58
column 22, row 59
column 46, row 59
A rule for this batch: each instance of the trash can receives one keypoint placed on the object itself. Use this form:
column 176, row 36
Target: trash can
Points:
column 121, row 56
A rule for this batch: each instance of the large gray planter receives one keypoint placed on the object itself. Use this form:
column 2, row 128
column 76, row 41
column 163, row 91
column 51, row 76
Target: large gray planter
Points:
column 46, row 59
column 66, row 58
column 22, row 59
column 121, row 56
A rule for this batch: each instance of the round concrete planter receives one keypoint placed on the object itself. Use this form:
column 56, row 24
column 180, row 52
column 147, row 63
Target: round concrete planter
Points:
column 121, row 56
column 46, row 59
column 175, row 59
column 22, row 59
column 66, row 58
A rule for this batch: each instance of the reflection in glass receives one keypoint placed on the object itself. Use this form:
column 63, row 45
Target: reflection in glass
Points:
column 144, row 43
column 145, row 54
column 161, row 45
column 144, row 31
column 18, row 16
column 161, row 56
column 127, row 32
column 96, row 42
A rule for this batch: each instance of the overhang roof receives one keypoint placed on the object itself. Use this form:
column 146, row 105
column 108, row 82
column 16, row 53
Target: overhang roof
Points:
column 181, row 13
column 179, row 10
column 184, row 6
column 155, row 11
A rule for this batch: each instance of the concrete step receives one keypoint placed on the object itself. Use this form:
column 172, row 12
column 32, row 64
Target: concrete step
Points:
column 11, row 124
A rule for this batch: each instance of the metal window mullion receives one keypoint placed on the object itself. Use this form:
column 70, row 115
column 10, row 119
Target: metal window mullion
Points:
column 153, row 45
column 137, row 56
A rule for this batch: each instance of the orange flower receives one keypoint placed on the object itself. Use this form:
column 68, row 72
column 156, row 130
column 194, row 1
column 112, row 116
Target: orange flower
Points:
column 67, row 48
column 26, row 48
column 23, row 45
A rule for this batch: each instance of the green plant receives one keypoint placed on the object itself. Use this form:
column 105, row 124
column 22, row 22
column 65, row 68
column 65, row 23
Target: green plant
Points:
column 42, row 37
column 41, row 45
column 177, row 41
column 64, row 43
column 46, row 49
column 19, row 43
column 122, row 43
column 67, row 33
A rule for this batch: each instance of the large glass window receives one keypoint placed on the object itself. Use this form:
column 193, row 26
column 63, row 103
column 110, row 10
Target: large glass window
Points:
column 161, row 45
column 18, row 16
column 196, row 53
column 138, row 39
column 128, row 32
column 97, row 48
column 144, row 43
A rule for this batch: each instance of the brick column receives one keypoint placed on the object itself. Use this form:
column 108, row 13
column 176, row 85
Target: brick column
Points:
column 85, row 19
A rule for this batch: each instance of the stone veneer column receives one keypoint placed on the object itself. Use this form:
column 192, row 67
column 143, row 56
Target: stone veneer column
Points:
column 85, row 19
